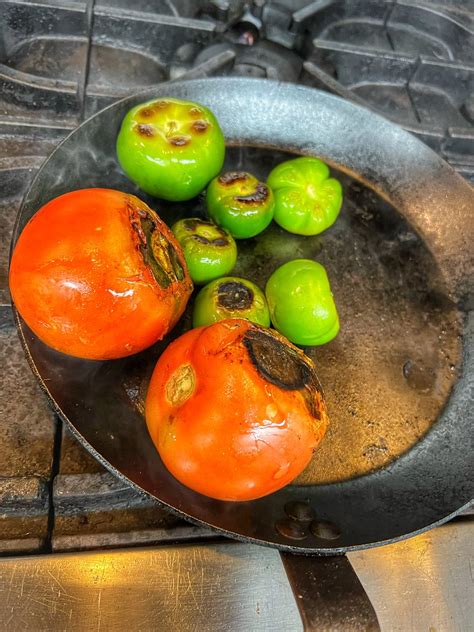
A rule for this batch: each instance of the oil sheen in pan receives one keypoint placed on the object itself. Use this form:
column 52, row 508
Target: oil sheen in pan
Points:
column 389, row 372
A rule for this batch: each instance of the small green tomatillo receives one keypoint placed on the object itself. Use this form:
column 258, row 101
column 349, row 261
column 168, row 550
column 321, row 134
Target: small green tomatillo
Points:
column 307, row 200
column 301, row 304
column 210, row 251
column 170, row 148
column 230, row 297
column 240, row 203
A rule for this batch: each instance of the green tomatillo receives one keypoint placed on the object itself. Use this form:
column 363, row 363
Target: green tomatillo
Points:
column 210, row 251
column 307, row 200
column 170, row 148
column 230, row 297
column 301, row 304
column 240, row 203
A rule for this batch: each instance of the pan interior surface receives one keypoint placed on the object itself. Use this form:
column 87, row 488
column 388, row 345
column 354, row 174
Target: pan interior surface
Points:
column 387, row 376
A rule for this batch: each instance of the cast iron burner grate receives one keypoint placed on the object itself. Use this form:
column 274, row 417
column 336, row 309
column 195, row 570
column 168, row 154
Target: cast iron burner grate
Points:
column 410, row 60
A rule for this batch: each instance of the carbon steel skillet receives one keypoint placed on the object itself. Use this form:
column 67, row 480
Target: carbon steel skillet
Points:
column 399, row 378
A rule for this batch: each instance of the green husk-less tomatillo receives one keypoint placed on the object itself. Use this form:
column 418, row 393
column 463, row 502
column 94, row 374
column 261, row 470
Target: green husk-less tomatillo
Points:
column 301, row 303
column 307, row 199
column 210, row 251
column 240, row 203
column 171, row 148
column 230, row 297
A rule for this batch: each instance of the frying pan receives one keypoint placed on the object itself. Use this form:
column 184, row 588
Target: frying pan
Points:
column 398, row 379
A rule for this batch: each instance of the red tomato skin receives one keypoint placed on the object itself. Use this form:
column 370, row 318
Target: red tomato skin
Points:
column 235, row 436
column 79, row 280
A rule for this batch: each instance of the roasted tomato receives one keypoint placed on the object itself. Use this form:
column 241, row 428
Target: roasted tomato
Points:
column 235, row 410
column 301, row 303
column 96, row 274
column 307, row 199
column 210, row 250
column 241, row 204
column 230, row 297
column 171, row 148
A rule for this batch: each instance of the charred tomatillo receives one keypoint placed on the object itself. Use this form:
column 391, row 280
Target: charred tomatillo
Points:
column 210, row 251
column 171, row 148
column 307, row 200
column 240, row 203
column 230, row 297
column 301, row 303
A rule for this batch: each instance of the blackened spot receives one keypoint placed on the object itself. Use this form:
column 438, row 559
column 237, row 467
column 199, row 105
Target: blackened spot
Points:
column 201, row 239
column 259, row 196
column 146, row 130
column 179, row 141
column 200, row 126
column 282, row 365
column 233, row 176
column 233, row 295
column 152, row 108
column 175, row 262
column 220, row 242
column 192, row 225
column 157, row 251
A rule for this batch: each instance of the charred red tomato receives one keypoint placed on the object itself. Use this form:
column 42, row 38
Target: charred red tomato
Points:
column 96, row 274
column 235, row 410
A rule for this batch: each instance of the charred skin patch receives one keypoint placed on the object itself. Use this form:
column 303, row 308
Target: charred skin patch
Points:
column 157, row 251
column 259, row 196
column 232, row 295
column 283, row 366
column 179, row 141
column 181, row 385
column 145, row 130
column 206, row 232
column 221, row 241
column 199, row 126
column 231, row 177
column 152, row 108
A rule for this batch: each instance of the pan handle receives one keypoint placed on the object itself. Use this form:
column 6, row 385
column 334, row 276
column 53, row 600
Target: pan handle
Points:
column 329, row 594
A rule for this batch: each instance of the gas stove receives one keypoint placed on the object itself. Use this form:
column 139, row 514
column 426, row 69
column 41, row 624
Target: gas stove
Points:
column 60, row 62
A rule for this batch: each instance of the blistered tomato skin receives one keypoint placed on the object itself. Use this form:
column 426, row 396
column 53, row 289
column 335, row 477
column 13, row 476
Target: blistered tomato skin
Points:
column 230, row 297
column 171, row 148
column 96, row 274
column 235, row 410
column 307, row 199
column 210, row 251
column 240, row 203
column 301, row 303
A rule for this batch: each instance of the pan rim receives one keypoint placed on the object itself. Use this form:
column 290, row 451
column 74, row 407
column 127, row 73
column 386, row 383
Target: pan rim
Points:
column 107, row 464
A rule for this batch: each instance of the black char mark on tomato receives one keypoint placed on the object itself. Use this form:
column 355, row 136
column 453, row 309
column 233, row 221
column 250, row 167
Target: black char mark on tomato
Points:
column 231, row 177
column 157, row 251
column 285, row 367
column 259, row 196
column 193, row 224
column 233, row 295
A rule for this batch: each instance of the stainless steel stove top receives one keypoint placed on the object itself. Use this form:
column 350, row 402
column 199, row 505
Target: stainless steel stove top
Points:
column 60, row 62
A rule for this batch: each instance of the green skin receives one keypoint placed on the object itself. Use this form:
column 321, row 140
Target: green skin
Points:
column 307, row 200
column 210, row 251
column 171, row 148
column 240, row 203
column 230, row 297
column 301, row 303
